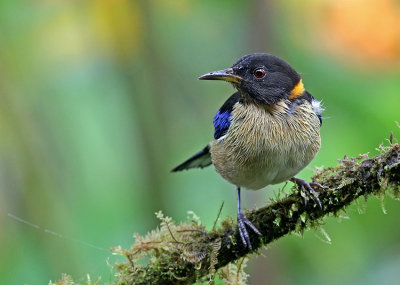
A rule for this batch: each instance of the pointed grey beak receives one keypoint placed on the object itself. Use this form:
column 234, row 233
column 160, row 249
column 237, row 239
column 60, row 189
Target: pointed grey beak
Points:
column 225, row 75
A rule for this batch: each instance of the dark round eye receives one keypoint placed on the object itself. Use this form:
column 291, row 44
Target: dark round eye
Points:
column 259, row 73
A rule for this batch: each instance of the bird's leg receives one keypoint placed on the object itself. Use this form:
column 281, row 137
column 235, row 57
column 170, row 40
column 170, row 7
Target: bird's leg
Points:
column 242, row 222
column 308, row 189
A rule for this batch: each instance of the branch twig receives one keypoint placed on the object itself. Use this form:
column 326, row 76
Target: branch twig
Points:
column 200, row 253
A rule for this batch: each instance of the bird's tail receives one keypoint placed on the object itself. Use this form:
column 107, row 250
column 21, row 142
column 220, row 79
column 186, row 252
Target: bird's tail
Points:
column 199, row 160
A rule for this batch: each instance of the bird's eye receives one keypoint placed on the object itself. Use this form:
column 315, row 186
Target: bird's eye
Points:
column 259, row 73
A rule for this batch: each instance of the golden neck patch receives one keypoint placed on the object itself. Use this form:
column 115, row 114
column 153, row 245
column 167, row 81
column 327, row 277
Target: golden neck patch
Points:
column 297, row 90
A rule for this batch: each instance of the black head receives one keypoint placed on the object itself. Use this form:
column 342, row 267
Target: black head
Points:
column 265, row 78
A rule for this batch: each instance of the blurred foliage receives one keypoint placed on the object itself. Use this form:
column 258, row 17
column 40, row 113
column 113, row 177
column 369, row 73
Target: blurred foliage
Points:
column 100, row 100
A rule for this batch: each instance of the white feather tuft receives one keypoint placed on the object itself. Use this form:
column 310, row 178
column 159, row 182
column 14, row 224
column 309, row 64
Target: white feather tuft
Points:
column 317, row 106
column 221, row 138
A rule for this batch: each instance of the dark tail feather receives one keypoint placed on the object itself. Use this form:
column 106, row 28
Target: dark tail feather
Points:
column 199, row 160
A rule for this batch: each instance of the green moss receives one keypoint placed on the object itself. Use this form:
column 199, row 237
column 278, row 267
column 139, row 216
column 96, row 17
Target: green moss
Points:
column 185, row 253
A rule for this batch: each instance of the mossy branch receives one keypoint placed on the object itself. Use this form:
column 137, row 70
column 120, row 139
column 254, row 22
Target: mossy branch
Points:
column 186, row 253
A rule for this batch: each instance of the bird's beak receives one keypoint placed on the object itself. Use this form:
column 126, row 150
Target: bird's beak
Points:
column 225, row 75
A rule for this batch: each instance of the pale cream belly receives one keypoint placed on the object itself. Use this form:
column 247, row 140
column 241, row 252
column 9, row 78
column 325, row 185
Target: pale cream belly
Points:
column 266, row 146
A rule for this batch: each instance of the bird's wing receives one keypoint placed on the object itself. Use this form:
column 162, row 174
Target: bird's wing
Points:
column 199, row 160
column 222, row 119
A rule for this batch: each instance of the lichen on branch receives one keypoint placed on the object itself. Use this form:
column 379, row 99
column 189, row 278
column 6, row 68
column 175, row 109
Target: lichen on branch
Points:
column 186, row 253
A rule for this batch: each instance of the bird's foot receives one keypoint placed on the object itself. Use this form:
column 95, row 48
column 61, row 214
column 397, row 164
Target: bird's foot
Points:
column 307, row 190
column 244, row 235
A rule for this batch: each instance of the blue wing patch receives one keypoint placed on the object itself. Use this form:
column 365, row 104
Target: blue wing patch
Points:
column 222, row 121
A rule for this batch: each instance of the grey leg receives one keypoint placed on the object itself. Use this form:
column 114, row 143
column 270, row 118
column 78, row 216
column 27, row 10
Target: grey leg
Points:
column 242, row 222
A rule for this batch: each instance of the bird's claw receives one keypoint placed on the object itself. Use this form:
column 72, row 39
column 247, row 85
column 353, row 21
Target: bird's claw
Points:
column 244, row 235
column 307, row 190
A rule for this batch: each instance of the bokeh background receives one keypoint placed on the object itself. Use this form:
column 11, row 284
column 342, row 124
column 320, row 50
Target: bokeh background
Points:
column 99, row 100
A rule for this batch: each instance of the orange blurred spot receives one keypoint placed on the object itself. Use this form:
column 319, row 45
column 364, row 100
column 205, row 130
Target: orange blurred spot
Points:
column 363, row 29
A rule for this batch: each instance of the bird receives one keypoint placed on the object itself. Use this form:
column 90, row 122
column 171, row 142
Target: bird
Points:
column 265, row 133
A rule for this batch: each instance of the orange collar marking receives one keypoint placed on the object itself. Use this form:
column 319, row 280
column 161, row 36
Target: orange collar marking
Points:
column 297, row 90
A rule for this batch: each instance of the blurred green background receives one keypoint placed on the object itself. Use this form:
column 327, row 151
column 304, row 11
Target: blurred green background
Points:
column 99, row 100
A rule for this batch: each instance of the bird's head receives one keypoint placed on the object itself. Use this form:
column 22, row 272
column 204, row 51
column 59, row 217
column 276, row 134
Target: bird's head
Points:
column 264, row 78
